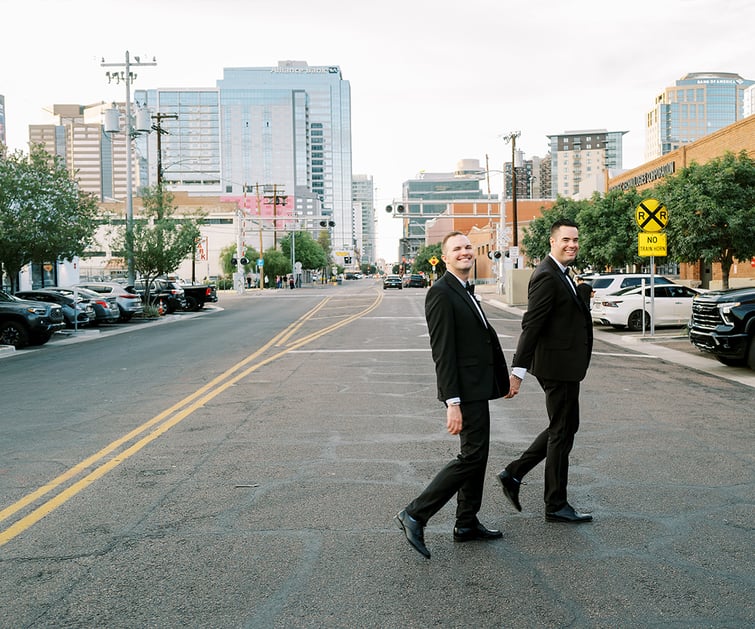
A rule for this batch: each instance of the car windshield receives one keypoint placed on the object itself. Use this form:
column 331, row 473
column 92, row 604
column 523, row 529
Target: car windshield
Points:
column 601, row 282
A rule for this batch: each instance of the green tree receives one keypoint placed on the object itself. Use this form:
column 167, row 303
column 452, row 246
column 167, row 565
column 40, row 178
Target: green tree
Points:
column 228, row 253
column 422, row 260
column 536, row 236
column 323, row 239
column 160, row 241
column 307, row 250
column 43, row 214
column 607, row 230
column 711, row 210
column 276, row 263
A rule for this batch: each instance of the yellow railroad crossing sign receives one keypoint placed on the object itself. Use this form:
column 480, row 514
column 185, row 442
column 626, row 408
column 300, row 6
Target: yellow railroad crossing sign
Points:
column 433, row 261
column 651, row 215
column 651, row 244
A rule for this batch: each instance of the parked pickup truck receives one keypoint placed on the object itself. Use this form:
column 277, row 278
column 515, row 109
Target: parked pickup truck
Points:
column 197, row 295
column 723, row 323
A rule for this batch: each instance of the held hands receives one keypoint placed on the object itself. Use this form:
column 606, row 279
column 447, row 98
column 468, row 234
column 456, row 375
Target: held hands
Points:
column 453, row 419
column 514, row 383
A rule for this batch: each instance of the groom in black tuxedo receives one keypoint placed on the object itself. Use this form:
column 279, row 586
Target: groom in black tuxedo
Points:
column 555, row 346
column 470, row 370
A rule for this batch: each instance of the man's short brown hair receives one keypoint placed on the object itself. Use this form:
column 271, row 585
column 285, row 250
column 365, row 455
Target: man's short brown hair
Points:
column 447, row 236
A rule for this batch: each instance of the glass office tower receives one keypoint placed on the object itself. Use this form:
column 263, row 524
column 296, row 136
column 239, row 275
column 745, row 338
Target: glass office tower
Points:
column 290, row 126
column 698, row 104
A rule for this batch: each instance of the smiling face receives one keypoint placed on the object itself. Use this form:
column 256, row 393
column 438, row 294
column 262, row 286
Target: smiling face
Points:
column 565, row 244
column 458, row 255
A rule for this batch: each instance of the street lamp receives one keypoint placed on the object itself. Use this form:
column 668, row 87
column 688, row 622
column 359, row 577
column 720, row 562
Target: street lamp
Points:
column 127, row 77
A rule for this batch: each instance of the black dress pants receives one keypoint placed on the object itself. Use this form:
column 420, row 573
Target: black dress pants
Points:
column 555, row 443
column 465, row 475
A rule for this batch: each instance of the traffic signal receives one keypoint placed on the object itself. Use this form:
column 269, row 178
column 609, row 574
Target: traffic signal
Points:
column 347, row 260
column 327, row 224
column 494, row 255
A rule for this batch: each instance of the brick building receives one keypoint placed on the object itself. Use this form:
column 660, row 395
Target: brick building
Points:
column 736, row 137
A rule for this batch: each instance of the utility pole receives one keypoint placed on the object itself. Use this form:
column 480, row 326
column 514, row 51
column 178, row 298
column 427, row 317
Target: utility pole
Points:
column 159, row 128
column 127, row 77
column 511, row 137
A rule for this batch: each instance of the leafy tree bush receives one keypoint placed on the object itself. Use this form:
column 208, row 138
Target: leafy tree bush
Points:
column 43, row 214
column 712, row 211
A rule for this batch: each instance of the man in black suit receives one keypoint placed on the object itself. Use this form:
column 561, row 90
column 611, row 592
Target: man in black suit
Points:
column 470, row 370
column 555, row 346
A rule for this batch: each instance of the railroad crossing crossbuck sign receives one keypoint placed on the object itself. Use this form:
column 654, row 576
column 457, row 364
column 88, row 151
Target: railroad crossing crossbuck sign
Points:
column 651, row 215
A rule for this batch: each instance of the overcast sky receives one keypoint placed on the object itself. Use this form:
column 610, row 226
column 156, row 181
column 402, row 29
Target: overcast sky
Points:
column 431, row 82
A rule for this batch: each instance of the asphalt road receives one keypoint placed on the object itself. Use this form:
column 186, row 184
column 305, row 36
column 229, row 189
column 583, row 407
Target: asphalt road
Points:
column 250, row 461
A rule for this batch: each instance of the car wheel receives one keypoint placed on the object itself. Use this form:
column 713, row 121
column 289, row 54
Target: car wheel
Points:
column 191, row 304
column 634, row 322
column 751, row 354
column 125, row 316
column 13, row 333
column 40, row 338
column 731, row 362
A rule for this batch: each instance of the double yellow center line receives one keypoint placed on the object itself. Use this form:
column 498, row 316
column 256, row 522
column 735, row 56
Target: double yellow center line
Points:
column 160, row 424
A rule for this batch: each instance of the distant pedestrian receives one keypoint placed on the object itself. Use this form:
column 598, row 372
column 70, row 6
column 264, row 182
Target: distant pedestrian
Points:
column 291, row 282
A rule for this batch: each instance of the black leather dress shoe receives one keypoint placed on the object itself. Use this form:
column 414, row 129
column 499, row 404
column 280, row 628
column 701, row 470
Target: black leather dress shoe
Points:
column 464, row 534
column 510, row 488
column 414, row 531
column 568, row 514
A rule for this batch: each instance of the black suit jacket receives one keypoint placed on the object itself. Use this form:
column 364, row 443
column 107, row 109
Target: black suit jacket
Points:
column 469, row 362
column 556, row 340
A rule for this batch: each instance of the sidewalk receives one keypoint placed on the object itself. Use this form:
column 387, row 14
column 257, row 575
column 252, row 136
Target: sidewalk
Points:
column 669, row 344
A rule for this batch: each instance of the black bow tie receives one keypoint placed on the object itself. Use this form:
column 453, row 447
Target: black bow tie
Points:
column 470, row 288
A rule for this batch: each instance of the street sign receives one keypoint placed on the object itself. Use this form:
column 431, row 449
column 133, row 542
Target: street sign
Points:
column 651, row 244
column 260, row 262
column 651, row 215
column 433, row 261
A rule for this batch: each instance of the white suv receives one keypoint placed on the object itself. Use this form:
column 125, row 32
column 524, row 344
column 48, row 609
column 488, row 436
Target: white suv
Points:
column 606, row 284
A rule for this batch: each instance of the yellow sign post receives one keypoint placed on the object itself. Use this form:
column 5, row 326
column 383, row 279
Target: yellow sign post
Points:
column 651, row 216
column 651, row 244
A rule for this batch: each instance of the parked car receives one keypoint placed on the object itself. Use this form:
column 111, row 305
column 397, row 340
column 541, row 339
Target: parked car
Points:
column 105, row 308
column 671, row 306
column 393, row 281
column 128, row 300
column 168, row 292
column 25, row 323
column 608, row 283
column 415, row 281
column 723, row 323
column 77, row 313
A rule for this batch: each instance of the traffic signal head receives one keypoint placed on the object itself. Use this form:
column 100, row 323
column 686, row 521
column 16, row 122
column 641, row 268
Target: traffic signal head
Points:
column 494, row 255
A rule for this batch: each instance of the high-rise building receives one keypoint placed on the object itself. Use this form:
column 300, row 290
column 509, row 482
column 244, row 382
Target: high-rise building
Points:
column 290, row 125
column 96, row 159
column 428, row 195
column 184, row 150
column 581, row 161
column 363, row 196
column 697, row 104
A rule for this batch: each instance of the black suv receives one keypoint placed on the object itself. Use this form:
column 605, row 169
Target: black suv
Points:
column 167, row 291
column 27, row 322
column 723, row 323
